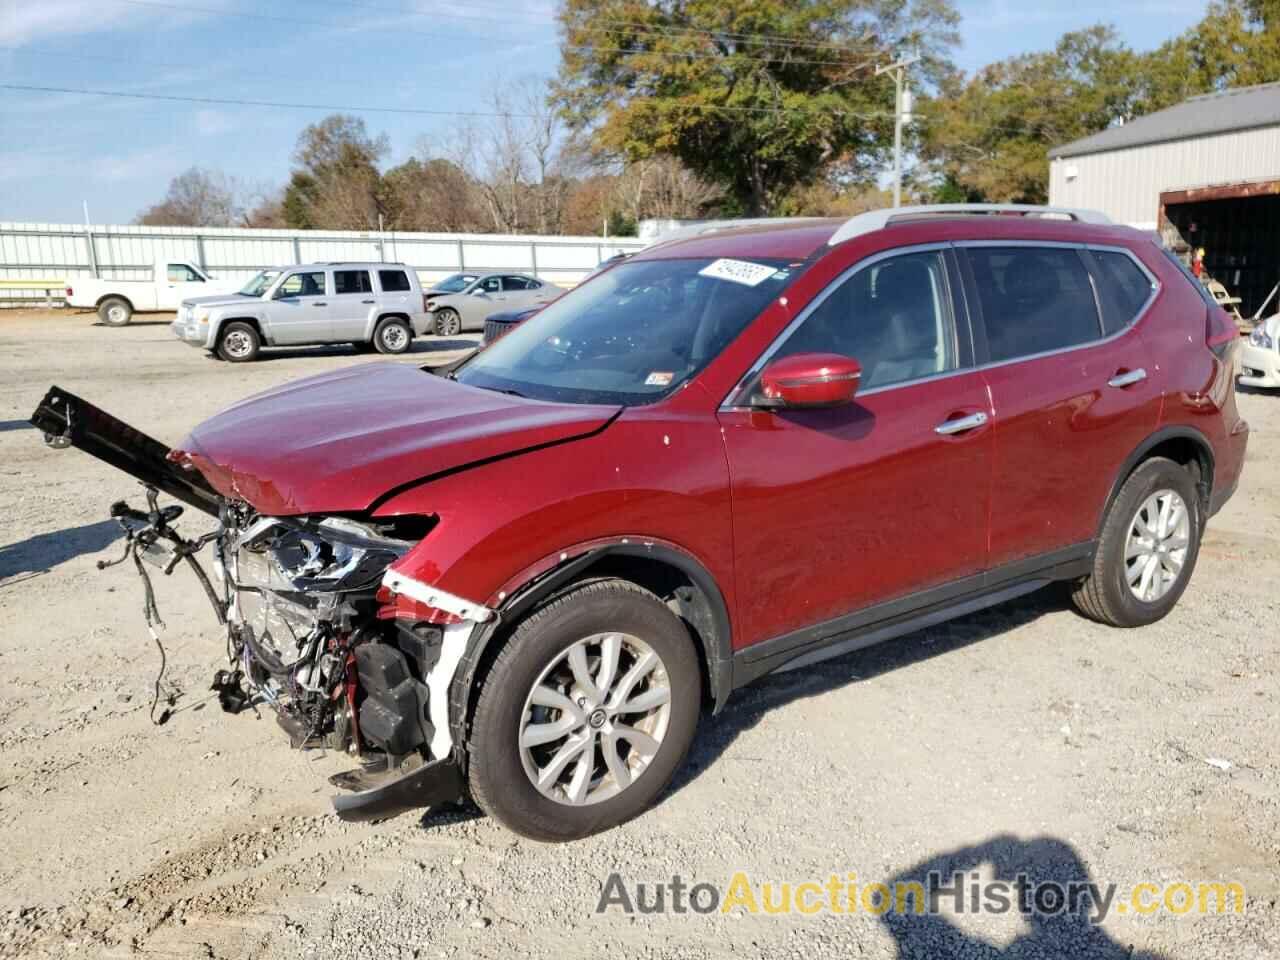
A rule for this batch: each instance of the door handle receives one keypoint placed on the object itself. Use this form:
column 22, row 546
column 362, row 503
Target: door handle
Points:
column 1128, row 378
column 319, row 303
column 368, row 301
column 961, row 424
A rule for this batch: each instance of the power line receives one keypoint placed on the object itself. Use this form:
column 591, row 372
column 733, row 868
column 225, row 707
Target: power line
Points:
column 416, row 111
column 581, row 48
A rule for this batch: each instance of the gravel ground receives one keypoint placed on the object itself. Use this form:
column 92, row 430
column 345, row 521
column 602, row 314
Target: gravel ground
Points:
column 1023, row 737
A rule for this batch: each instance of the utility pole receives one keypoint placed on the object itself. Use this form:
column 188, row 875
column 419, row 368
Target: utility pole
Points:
column 901, row 115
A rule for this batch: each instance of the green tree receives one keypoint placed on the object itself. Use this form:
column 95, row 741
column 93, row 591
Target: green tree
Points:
column 336, row 184
column 757, row 98
column 987, row 137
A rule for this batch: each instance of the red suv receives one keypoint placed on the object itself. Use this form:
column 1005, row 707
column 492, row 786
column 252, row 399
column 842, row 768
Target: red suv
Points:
column 743, row 449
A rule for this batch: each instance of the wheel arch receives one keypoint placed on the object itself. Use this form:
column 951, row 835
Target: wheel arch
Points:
column 1181, row 444
column 114, row 296
column 378, row 319
column 221, row 324
column 663, row 568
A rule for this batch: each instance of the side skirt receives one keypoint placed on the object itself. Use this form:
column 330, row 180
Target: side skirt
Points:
column 894, row 618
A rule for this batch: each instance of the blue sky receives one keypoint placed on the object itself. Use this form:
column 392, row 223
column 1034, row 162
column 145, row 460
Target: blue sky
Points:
column 57, row 150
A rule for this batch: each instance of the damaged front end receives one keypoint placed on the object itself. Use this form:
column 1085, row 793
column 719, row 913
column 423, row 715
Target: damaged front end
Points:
column 348, row 653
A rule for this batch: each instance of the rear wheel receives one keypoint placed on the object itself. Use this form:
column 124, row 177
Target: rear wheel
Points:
column 448, row 322
column 115, row 311
column 392, row 336
column 239, row 342
column 586, row 713
column 1148, row 548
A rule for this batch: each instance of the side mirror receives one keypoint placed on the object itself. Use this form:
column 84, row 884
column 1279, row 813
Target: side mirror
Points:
column 478, row 292
column 810, row 380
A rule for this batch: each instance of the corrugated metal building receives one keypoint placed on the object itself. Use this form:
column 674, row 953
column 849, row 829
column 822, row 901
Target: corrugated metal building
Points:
column 1205, row 173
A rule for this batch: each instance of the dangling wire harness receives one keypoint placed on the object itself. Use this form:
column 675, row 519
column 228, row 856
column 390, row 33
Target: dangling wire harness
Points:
column 150, row 536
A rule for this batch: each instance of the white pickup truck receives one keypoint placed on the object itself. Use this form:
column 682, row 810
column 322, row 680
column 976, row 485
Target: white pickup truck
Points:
column 172, row 281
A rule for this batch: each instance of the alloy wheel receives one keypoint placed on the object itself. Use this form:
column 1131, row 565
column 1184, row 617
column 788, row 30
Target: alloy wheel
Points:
column 116, row 314
column 1156, row 548
column 448, row 324
column 595, row 718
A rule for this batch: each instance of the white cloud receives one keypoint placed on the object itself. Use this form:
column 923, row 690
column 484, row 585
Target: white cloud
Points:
column 212, row 123
column 24, row 21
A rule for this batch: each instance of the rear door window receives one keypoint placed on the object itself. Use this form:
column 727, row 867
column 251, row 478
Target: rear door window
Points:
column 352, row 281
column 1123, row 289
column 393, row 281
column 1034, row 300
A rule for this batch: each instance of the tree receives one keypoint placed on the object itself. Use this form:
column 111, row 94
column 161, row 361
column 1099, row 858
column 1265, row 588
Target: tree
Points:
column 431, row 194
column 197, row 198
column 757, row 98
column 337, row 184
column 987, row 138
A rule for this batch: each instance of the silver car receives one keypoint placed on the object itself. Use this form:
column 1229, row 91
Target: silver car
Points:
column 365, row 304
column 465, row 300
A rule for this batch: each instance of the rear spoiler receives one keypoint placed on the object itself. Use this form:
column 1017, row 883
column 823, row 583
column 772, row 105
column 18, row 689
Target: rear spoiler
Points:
column 68, row 421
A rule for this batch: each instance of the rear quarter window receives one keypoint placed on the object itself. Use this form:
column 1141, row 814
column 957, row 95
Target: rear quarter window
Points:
column 1123, row 288
column 394, row 281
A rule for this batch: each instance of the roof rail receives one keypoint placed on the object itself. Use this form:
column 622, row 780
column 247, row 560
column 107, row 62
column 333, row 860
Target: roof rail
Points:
column 711, row 226
column 879, row 219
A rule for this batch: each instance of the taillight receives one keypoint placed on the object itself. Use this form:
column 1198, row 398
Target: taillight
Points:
column 1220, row 332
column 425, row 305
column 70, row 293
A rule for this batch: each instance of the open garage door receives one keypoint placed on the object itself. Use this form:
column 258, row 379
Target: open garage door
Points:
column 1238, row 225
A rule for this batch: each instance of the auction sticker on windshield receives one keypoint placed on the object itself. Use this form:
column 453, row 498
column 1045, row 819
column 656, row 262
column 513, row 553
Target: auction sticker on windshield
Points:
column 739, row 271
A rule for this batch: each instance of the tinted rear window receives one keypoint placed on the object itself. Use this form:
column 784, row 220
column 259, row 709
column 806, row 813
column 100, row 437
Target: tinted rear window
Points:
column 1122, row 288
column 352, row 281
column 1034, row 300
column 393, row 281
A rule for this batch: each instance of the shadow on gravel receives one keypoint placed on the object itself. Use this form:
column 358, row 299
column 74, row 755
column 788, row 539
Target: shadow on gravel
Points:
column 7, row 425
column 747, row 706
column 1041, row 880
column 41, row 553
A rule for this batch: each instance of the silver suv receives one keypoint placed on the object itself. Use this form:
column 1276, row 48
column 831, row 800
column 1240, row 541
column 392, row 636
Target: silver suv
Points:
column 364, row 304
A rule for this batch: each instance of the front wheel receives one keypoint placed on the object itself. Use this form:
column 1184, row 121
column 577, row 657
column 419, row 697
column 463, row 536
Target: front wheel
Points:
column 1148, row 548
column 586, row 713
column 239, row 343
column 115, row 311
column 447, row 323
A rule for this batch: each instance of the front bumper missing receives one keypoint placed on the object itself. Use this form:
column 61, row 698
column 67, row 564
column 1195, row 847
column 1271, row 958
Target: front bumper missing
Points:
column 429, row 785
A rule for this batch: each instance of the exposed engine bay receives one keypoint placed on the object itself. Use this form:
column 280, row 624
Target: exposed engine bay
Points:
column 310, row 633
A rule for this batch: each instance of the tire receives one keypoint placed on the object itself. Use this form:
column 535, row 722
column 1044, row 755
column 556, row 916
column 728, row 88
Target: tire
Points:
column 447, row 322
column 501, row 769
column 239, row 342
column 392, row 336
column 115, row 311
column 1107, row 594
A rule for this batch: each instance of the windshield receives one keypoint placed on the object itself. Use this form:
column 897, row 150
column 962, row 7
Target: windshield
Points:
column 258, row 285
column 633, row 334
column 456, row 283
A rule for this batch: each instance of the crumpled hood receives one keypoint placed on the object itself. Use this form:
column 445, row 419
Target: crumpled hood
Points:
column 337, row 442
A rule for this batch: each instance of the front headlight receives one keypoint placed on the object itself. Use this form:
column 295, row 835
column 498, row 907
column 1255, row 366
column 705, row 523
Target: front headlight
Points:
column 331, row 555
column 1260, row 338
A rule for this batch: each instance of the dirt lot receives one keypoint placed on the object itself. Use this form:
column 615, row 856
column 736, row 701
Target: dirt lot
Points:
column 1019, row 737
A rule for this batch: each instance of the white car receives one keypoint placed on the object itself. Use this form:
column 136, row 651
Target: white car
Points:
column 464, row 301
column 172, row 281
column 1260, row 356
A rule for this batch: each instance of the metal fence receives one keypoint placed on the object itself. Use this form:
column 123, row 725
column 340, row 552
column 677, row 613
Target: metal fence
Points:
column 49, row 250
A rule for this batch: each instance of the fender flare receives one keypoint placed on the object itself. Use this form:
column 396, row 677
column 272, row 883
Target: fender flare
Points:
column 1140, row 452
column 378, row 314
column 217, row 323
column 717, row 649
